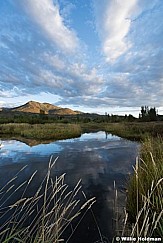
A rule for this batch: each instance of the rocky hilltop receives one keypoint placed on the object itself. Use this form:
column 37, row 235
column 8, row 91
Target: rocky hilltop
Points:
column 43, row 108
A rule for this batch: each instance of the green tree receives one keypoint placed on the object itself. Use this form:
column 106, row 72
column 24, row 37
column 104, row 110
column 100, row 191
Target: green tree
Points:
column 148, row 114
column 152, row 114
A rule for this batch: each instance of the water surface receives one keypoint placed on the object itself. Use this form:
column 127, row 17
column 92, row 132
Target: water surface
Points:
column 98, row 159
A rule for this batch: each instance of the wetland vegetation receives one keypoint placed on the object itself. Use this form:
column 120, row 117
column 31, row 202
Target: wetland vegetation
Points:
column 48, row 131
column 144, row 208
column 145, row 190
column 40, row 131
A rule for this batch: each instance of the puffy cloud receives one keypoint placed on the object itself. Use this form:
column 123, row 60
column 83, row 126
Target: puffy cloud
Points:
column 133, row 32
column 47, row 15
column 36, row 58
column 30, row 61
column 113, row 25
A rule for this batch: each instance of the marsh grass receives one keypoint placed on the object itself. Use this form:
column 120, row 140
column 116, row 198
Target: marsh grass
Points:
column 139, row 131
column 143, row 214
column 41, row 131
column 45, row 216
column 146, row 186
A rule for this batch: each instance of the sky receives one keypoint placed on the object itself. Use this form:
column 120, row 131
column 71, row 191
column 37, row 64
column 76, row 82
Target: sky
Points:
column 89, row 55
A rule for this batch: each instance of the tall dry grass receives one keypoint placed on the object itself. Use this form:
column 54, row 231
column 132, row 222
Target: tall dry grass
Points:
column 46, row 215
column 142, row 216
column 145, row 192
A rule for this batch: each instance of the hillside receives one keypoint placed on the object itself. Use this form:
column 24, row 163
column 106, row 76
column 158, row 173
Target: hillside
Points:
column 63, row 111
column 43, row 108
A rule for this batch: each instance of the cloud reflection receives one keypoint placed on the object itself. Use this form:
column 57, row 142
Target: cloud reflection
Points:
column 93, row 158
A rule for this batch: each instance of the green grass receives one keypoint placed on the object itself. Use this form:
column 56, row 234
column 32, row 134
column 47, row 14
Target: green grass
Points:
column 41, row 131
column 135, row 130
column 145, row 191
column 54, row 206
column 56, row 131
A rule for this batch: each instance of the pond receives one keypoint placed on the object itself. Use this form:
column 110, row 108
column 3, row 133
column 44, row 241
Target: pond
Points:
column 98, row 159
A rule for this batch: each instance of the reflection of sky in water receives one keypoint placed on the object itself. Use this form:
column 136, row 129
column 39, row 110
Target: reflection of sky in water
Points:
column 98, row 159
column 14, row 151
column 98, row 136
column 102, row 136
column 17, row 151
column 85, row 157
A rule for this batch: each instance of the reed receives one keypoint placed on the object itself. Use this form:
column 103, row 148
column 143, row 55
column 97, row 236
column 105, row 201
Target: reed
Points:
column 43, row 217
column 142, row 216
column 145, row 191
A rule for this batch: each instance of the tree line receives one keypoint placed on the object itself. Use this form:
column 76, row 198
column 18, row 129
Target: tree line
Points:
column 148, row 114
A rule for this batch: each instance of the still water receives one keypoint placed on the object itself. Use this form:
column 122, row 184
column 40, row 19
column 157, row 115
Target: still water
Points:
column 98, row 159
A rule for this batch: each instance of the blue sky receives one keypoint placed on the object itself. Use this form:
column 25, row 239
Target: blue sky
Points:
column 94, row 56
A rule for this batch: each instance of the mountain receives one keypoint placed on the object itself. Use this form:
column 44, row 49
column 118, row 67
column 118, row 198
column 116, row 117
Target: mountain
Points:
column 63, row 111
column 43, row 108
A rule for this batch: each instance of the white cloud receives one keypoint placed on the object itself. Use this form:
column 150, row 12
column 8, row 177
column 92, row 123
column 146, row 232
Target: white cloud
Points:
column 33, row 63
column 113, row 24
column 54, row 60
column 9, row 93
column 46, row 14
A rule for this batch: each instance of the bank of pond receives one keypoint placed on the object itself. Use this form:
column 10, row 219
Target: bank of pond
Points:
column 52, row 210
column 134, row 130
